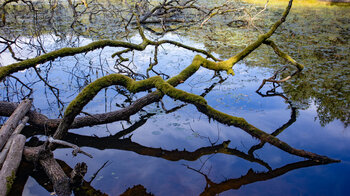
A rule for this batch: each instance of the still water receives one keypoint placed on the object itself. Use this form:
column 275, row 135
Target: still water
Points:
column 180, row 152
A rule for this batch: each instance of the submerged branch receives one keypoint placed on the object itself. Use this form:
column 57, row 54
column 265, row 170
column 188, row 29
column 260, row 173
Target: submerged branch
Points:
column 285, row 56
column 63, row 52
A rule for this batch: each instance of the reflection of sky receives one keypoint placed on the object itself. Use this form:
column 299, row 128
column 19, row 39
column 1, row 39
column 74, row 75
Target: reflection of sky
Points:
column 163, row 177
column 170, row 131
column 32, row 189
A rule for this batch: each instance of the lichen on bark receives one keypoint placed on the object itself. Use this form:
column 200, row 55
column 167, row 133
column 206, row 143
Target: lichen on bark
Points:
column 9, row 181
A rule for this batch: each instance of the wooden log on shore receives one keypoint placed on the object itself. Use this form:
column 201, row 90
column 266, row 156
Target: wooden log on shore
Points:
column 12, row 122
column 6, row 149
column 10, row 166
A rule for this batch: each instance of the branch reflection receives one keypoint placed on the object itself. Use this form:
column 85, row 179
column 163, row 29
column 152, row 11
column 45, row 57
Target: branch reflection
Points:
column 252, row 176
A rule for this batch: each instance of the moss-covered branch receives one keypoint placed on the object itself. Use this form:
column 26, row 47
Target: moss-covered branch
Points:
column 63, row 52
column 250, row 48
column 9, row 69
column 228, row 64
column 293, row 118
column 166, row 88
column 89, row 92
column 284, row 55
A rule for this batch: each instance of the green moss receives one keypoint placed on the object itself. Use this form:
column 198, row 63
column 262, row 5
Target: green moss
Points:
column 9, row 181
column 143, row 85
column 284, row 55
column 225, row 144
column 91, row 90
column 216, row 66
column 187, row 72
column 9, row 69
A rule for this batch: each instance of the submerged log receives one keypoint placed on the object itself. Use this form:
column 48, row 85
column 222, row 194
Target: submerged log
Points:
column 9, row 169
column 11, row 123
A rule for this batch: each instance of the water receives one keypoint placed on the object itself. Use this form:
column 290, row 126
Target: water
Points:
column 314, row 110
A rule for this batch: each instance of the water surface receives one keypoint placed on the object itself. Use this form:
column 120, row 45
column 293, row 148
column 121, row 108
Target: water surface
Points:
column 312, row 109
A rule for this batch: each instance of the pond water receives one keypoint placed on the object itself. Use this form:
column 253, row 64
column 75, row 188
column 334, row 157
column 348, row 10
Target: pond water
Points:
column 311, row 111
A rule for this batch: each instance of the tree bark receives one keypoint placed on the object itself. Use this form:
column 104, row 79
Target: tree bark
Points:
column 60, row 181
column 6, row 149
column 11, row 123
column 9, row 169
column 44, row 123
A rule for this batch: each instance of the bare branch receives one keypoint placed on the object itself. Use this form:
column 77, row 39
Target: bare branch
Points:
column 75, row 147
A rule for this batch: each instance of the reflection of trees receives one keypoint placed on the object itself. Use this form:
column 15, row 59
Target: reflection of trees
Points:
column 329, row 93
column 111, row 142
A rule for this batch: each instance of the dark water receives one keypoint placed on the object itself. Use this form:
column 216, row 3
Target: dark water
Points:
column 312, row 108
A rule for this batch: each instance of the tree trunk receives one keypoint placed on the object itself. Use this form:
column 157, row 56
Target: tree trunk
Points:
column 60, row 181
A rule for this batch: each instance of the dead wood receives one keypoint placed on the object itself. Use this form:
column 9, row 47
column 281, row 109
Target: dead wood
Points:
column 60, row 181
column 10, row 166
column 6, row 149
column 11, row 123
